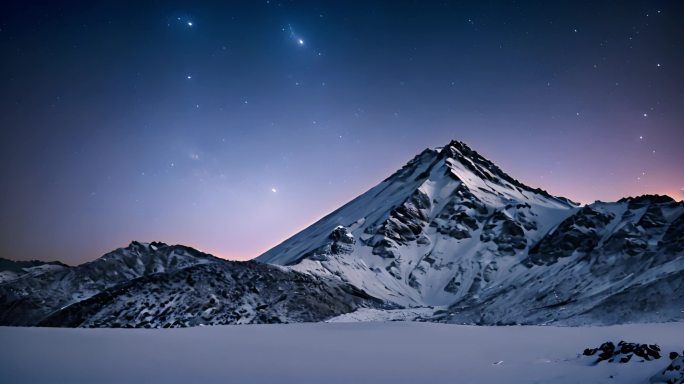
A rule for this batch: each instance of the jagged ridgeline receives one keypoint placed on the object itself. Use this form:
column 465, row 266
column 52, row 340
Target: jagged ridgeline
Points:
column 449, row 231
column 157, row 285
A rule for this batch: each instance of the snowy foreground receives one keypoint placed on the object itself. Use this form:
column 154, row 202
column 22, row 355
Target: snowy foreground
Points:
column 394, row 352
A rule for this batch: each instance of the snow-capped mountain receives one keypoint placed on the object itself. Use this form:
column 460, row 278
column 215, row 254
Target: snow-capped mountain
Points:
column 449, row 237
column 159, row 285
column 453, row 231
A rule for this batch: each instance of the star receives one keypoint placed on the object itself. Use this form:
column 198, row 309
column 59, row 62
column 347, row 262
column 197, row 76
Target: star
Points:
column 641, row 137
column 189, row 23
column 274, row 190
column 300, row 41
column 189, row 77
column 645, row 114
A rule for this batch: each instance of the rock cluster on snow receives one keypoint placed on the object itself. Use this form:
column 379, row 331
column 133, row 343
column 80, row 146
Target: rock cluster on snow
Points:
column 623, row 352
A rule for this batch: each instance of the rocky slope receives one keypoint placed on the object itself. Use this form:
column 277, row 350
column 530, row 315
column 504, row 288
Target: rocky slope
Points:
column 158, row 285
column 217, row 293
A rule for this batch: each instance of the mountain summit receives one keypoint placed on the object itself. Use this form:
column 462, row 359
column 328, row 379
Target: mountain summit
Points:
column 451, row 230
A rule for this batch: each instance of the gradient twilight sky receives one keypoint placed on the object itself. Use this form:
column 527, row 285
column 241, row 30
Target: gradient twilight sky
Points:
column 230, row 126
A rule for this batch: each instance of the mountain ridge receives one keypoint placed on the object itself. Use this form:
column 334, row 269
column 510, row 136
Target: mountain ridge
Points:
column 449, row 237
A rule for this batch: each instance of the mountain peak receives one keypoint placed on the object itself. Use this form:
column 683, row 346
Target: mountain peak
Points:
column 452, row 191
column 462, row 161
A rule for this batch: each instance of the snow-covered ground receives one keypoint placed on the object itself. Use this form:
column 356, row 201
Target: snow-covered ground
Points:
column 391, row 352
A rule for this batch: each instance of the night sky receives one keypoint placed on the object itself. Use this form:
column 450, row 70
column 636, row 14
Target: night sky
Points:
column 231, row 126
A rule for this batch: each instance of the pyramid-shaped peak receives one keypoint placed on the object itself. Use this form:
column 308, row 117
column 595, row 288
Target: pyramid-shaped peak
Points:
column 478, row 172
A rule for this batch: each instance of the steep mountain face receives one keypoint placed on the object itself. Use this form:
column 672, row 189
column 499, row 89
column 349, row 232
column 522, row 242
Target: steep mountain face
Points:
column 453, row 231
column 157, row 285
column 438, row 230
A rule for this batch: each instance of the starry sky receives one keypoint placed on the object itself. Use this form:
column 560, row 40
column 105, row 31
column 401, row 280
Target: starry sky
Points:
column 230, row 126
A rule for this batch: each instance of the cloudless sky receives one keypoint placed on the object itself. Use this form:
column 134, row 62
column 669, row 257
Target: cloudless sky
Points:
column 230, row 126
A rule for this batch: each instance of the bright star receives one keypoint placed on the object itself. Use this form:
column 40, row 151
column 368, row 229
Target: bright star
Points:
column 274, row 190
column 300, row 41
column 189, row 23
column 189, row 77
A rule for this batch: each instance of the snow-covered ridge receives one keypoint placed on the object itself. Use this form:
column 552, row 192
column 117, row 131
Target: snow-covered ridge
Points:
column 12, row 270
column 155, row 285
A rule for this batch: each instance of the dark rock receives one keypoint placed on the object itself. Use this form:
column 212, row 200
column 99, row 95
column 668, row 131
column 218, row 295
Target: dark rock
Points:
column 578, row 233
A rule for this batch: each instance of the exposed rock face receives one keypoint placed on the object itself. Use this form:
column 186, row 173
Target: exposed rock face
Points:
column 578, row 233
column 404, row 225
column 508, row 235
column 340, row 241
